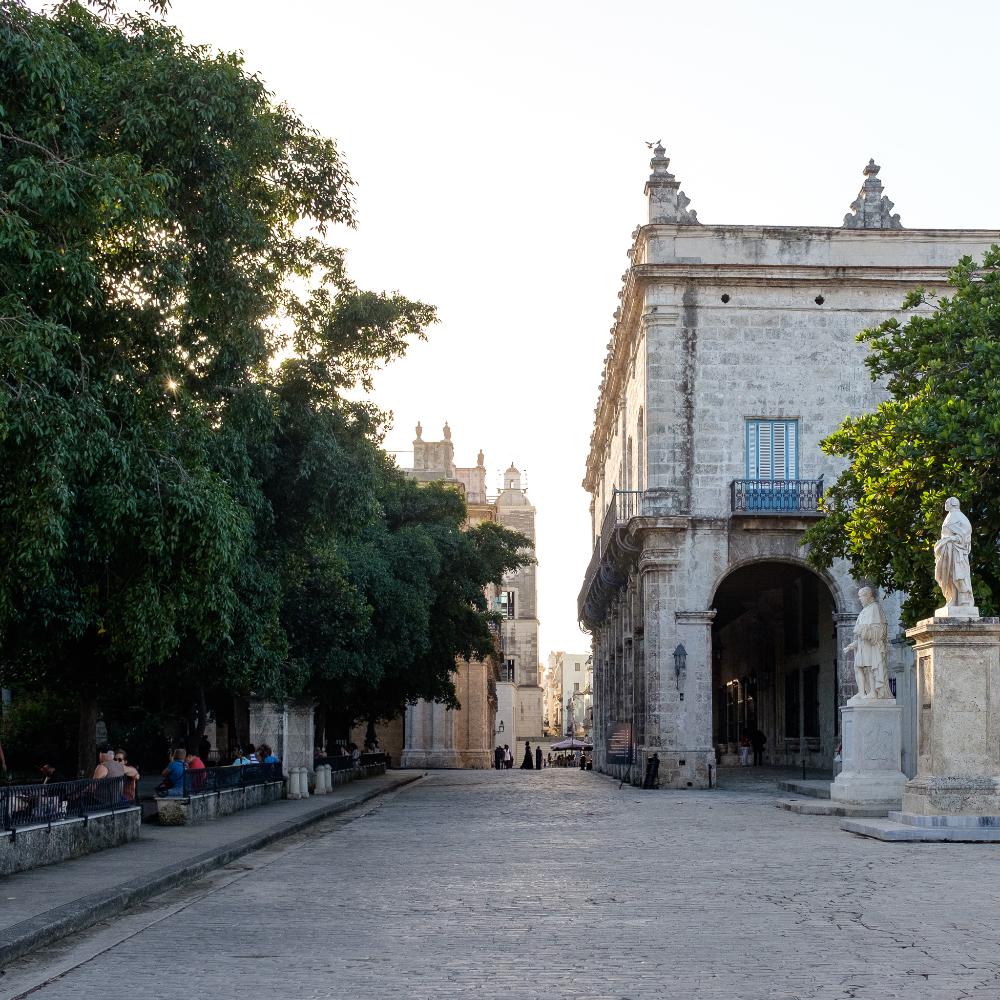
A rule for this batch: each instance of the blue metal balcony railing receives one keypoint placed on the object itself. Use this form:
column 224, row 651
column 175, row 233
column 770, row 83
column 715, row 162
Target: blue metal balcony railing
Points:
column 776, row 496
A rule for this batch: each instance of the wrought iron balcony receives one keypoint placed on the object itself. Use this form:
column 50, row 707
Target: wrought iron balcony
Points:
column 625, row 504
column 776, row 496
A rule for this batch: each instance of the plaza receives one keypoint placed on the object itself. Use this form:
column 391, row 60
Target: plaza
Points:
column 558, row 884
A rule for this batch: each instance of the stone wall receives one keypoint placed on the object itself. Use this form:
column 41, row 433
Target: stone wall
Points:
column 196, row 809
column 34, row 846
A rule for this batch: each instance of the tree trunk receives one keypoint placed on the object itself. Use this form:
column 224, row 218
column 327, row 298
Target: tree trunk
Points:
column 86, row 755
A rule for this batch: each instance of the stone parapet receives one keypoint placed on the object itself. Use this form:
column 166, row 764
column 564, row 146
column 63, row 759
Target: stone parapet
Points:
column 48, row 843
column 194, row 809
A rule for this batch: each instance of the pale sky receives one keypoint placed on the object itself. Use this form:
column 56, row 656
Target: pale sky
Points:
column 500, row 159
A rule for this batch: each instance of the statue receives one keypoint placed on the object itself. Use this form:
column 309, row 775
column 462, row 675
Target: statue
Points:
column 447, row 431
column 951, row 557
column 420, row 431
column 870, row 648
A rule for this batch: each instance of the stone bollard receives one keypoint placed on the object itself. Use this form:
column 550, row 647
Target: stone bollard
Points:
column 294, row 787
column 327, row 783
column 319, row 780
column 304, row 782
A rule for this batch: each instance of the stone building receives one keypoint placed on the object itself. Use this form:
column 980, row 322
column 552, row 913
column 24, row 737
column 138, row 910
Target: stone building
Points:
column 505, row 689
column 520, row 689
column 732, row 355
column 570, row 676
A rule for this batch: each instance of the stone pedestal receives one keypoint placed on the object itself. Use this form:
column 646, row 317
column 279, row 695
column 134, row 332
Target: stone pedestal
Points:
column 288, row 729
column 872, row 730
column 958, row 718
column 956, row 792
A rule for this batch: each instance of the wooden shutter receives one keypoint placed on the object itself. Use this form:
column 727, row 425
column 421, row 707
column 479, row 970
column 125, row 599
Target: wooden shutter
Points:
column 772, row 449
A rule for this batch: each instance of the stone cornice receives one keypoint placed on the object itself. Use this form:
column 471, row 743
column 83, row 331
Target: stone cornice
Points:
column 835, row 233
column 696, row 617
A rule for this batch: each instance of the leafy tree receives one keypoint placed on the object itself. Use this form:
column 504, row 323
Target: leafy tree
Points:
column 177, row 517
column 938, row 435
column 382, row 586
column 162, row 223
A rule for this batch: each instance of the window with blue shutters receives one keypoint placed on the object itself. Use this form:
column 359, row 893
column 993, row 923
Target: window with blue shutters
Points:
column 772, row 449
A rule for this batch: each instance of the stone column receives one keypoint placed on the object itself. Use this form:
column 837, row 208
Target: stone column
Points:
column 268, row 724
column 415, row 752
column 958, row 720
column 656, row 569
column 442, row 752
column 300, row 736
column 694, row 700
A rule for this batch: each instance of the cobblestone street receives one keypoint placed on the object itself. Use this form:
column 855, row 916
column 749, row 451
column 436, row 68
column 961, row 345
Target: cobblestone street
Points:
column 514, row 885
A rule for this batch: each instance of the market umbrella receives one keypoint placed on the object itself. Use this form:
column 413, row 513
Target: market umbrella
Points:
column 571, row 744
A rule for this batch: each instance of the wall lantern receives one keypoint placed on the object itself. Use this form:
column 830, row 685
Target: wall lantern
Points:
column 680, row 662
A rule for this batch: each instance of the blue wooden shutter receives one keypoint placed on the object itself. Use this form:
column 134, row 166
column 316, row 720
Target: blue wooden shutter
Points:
column 772, row 449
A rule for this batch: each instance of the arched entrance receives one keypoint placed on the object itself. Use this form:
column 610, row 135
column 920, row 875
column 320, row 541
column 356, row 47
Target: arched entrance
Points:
column 774, row 666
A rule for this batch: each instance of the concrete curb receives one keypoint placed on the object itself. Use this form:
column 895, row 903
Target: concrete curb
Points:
column 22, row 938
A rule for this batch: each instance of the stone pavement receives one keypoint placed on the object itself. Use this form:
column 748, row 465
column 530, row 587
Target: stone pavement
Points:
column 40, row 904
column 522, row 885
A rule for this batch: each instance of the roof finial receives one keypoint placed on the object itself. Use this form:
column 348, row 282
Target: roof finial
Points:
column 871, row 209
column 667, row 202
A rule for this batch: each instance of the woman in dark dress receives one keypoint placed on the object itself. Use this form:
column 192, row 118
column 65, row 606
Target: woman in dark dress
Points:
column 526, row 764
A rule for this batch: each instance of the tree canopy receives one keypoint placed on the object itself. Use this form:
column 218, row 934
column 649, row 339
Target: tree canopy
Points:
column 173, row 495
column 936, row 436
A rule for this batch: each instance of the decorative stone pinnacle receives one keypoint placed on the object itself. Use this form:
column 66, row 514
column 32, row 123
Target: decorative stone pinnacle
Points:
column 871, row 209
column 667, row 202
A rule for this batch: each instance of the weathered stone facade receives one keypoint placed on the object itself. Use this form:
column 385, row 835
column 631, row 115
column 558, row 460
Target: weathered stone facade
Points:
column 502, row 688
column 733, row 354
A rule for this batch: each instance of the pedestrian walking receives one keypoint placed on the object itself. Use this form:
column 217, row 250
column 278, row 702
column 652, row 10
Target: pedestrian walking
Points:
column 526, row 764
column 498, row 757
column 508, row 757
column 538, row 758
column 758, row 740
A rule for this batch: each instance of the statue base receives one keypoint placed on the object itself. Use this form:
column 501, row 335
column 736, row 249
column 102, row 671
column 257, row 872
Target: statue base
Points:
column 957, row 611
column 872, row 740
column 956, row 792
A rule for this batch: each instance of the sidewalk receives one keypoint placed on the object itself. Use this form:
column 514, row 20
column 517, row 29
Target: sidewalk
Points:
column 44, row 904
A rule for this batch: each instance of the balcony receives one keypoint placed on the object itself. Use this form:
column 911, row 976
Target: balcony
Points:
column 625, row 504
column 776, row 496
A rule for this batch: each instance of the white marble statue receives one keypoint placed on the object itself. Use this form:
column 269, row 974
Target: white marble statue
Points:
column 951, row 557
column 870, row 648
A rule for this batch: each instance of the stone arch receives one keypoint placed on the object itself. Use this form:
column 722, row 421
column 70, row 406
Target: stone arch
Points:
column 845, row 601
column 775, row 654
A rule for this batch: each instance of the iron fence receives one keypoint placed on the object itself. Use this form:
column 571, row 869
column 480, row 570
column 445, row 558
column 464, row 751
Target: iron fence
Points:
column 343, row 762
column 221, row 779
column 775, row 496
column 31, row 805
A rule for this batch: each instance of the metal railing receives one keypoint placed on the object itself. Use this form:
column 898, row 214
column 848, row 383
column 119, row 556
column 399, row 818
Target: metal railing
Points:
column 32, row 805
column 625, row 504
column 776, row 496
column 221, row 779
column 342, row 762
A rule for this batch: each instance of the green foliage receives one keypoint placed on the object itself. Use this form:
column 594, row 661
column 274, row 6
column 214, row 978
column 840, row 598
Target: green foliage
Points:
column 938, row 435
column 172, row 502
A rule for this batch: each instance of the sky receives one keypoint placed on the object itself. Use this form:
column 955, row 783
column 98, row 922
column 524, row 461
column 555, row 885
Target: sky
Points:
column 499, row 153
